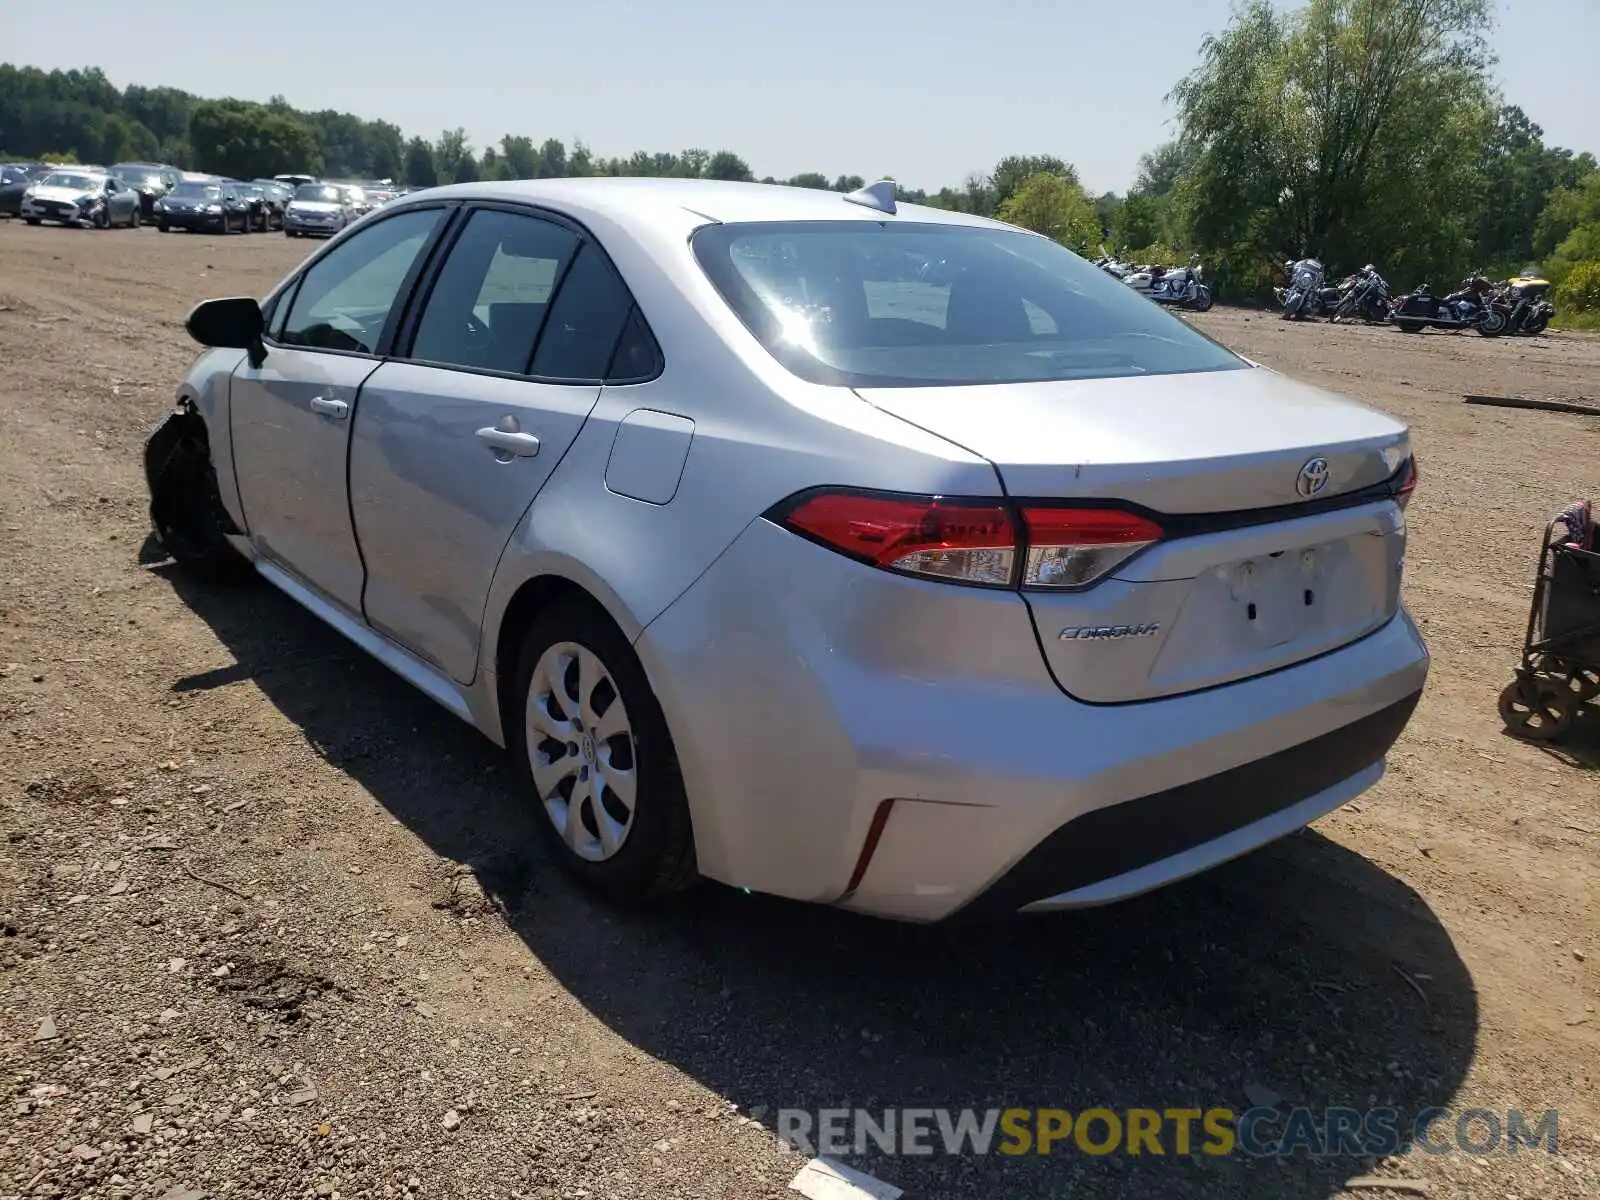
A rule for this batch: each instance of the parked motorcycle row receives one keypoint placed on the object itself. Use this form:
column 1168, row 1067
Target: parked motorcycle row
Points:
column 1519, row 306
column 1181, row 287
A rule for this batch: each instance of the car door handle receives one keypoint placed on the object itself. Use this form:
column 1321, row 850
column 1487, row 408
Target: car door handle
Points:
column 329, row 407
column 519, row 445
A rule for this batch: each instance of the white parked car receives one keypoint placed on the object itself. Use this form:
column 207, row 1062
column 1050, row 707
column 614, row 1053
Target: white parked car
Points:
column 856, row 552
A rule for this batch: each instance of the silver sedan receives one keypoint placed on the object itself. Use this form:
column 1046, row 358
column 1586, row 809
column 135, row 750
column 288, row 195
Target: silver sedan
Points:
column 822, row 545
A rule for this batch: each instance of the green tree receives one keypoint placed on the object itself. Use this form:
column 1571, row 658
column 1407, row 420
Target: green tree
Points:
column 234, row 137
column 725, row 164
column 809, row 179
column 1011, row 172
column 420, row 169
column 466, row 169
column 518, row 157
column 1055, row 206
column 1346, row 128
column 453, row 145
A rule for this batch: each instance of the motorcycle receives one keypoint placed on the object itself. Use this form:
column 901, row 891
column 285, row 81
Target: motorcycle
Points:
column 1523, row 302
column 1469, row 307
column 1172, row 285
column 1307, row 295
column 1367, row 297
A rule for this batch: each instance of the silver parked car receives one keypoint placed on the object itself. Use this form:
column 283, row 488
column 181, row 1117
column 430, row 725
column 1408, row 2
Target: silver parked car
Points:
column 850, row 551
column 78, row 196
column 318, row 210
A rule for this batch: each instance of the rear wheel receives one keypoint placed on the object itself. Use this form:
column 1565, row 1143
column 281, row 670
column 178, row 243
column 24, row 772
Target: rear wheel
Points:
column 1410, row 326
column 34, row 220
column 1493, row 323
column 590, row 746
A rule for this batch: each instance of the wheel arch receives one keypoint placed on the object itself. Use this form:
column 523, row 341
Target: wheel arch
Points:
column 516, row 603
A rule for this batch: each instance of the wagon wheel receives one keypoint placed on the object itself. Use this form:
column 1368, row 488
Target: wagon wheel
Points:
column 1537, row 709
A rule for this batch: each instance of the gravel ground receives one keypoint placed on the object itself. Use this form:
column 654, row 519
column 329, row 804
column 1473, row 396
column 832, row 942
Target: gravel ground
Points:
column 273, row 925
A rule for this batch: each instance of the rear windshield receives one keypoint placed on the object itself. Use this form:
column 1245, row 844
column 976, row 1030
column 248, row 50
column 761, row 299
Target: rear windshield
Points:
column 869, row 304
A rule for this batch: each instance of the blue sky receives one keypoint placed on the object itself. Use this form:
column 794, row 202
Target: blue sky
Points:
column 926, row 92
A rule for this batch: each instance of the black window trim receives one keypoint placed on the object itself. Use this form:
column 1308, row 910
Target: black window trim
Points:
column 405, row 332
column 289, row 292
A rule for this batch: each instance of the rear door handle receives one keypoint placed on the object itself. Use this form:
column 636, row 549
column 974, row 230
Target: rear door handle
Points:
column 505, row 441
column 329, row 407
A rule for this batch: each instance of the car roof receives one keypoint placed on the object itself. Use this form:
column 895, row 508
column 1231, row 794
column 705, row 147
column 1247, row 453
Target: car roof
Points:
column 632, row 200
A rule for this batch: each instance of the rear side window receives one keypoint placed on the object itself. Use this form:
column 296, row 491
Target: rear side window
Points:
column 638, row 356
column 585, row 321
column 883, row 304
column 492, row 295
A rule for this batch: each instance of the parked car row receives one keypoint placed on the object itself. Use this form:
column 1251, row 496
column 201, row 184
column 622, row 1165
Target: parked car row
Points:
column 135, row 192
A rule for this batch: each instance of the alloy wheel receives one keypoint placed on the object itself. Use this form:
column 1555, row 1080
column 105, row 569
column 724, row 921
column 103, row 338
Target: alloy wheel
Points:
column 581, row 750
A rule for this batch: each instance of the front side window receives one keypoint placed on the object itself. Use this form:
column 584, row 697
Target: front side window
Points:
column 345, row 299
column 489, row 304
column 880, row 304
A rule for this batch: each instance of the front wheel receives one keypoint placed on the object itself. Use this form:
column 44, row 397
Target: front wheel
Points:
column 1493, row 323
column 591, row 748
column 1202, row 299
column 102, row 219
column 34, row 220
column 1409, row 326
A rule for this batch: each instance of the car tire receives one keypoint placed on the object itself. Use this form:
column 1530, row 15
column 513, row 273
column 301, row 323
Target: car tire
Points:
column 163, row 227
column 1409, row 326
column 102, row 219
column 186, row 509
column 34, row 220
column 654, row 854
column 135, row 220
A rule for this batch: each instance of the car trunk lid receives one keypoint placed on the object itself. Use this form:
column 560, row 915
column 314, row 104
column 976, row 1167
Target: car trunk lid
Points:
column 1281, row 541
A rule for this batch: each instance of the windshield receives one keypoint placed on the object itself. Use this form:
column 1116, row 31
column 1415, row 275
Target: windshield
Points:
column 73, row 181
column 197, row 191
column 318, row 193
column 875, row 304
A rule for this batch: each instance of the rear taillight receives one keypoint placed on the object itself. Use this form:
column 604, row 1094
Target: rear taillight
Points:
column 972, row 541
column 1408, row 482
column 1071, row 547
column 949, row 539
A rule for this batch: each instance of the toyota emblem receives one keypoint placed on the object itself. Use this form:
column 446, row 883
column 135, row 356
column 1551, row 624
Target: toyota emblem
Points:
column 1313, row 477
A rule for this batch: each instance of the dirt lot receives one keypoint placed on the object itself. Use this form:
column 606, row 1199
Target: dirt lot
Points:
column 240, row 958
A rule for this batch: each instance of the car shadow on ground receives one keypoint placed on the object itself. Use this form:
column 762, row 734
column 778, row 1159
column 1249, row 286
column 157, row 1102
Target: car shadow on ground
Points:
column 1302, row 973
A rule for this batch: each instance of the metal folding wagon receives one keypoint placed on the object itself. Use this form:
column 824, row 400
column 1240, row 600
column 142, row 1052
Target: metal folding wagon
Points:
column 1560, row 670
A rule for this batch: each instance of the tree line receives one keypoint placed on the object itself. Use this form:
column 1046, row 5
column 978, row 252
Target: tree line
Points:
column 1351, row 130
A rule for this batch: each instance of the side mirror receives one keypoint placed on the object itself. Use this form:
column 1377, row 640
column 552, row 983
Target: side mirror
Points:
column 234, row 323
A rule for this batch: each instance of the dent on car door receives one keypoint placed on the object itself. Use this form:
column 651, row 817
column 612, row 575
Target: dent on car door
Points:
column 291, row 416
column 451, row 447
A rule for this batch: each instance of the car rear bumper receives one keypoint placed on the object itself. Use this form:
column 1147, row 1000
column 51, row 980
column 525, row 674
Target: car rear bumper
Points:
column 897, row 747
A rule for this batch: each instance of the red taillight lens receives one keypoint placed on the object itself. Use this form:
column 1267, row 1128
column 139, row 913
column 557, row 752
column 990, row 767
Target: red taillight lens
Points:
column 957, row 540
column 972, row 541
column 1071, row 547
column 1408, row 482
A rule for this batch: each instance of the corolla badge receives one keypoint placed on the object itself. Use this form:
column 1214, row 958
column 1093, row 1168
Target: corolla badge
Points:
column 1108, row 633
column 1313, row 477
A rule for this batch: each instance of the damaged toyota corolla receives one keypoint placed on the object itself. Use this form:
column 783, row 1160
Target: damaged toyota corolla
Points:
column 826, row 546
